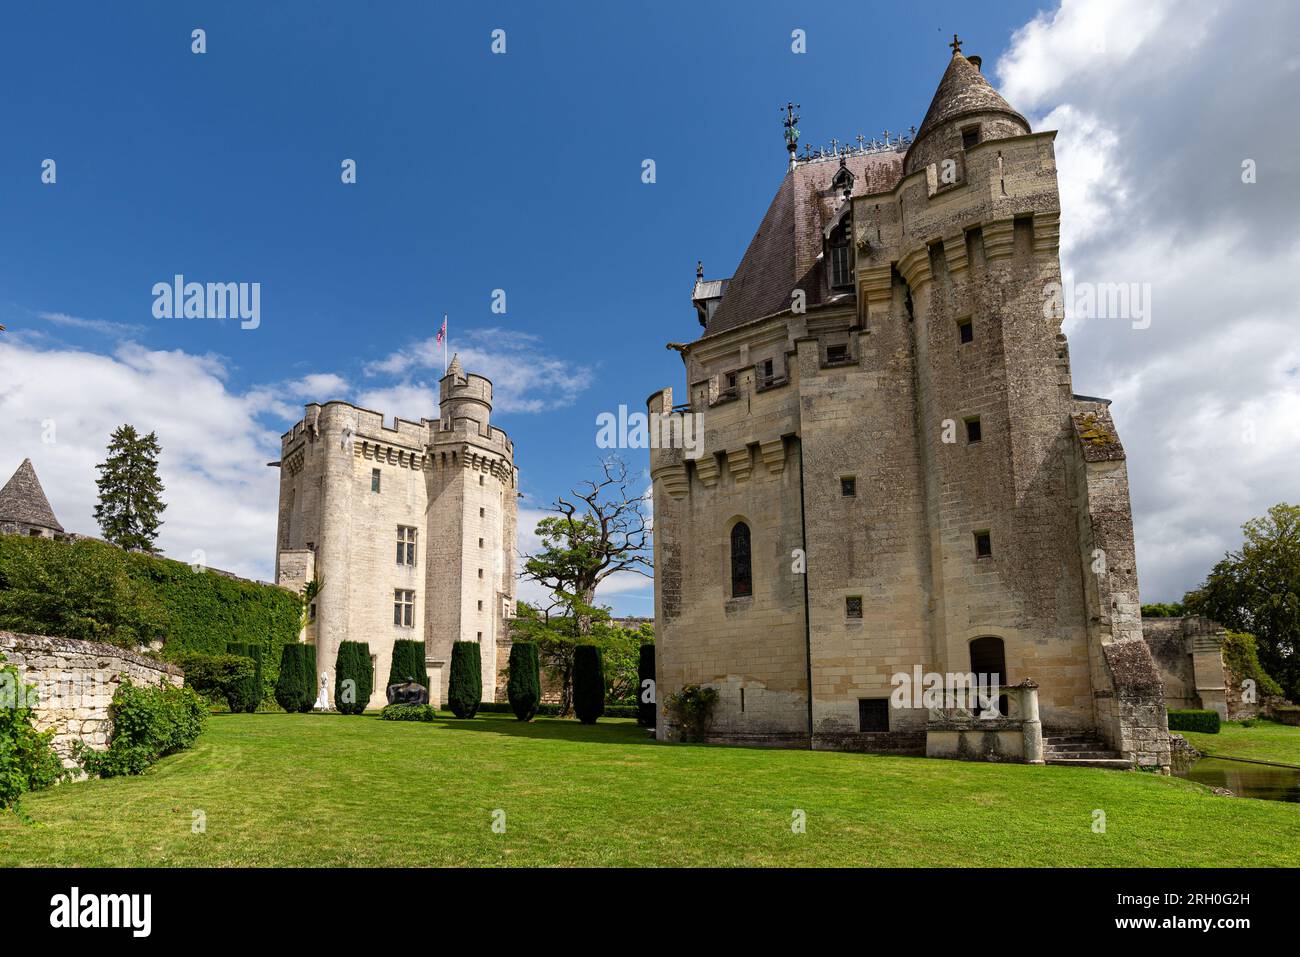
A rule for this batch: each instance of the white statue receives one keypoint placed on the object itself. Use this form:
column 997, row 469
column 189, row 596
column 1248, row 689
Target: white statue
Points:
column 323, row 699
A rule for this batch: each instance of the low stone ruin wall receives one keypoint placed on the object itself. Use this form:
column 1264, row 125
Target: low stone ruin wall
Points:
column 75, row 682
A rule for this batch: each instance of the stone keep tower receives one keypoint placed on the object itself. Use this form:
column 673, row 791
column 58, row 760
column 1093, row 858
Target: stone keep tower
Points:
column 409, row 531
column 887, row 402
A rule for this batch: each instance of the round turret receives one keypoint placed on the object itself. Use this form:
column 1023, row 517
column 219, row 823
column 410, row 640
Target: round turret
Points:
column 462, row 396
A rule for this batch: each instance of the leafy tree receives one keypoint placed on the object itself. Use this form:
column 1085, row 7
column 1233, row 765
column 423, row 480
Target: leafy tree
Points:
column 408, row 663
column 524, row 687
column 622, row 647
column 599, row 530
column 354, row 679
column 1164, row 610
column 588, row 683
column 465, row 686
column 295, row 691
column 1256, row 589
column 212, row 676
column 130, row 490
column 79, row 590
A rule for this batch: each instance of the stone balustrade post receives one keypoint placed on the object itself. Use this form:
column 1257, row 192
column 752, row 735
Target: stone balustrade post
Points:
column 1032, row 727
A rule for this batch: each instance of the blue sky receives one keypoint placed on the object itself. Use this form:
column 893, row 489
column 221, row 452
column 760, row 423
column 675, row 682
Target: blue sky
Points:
column 476, row 172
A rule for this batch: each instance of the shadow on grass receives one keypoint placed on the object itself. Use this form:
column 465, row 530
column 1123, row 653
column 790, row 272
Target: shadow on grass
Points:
column 553, row 729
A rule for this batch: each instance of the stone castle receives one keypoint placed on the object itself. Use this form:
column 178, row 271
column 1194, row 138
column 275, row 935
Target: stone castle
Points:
column 897, row 477
column 408, row 531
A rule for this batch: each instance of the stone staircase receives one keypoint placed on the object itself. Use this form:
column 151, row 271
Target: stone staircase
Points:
column 1081, row 751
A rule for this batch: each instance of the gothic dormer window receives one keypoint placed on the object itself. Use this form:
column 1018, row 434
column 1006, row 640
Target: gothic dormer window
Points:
column 839, row 255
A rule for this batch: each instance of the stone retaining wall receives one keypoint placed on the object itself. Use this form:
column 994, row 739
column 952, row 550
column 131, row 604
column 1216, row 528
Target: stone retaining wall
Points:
column 75, row 682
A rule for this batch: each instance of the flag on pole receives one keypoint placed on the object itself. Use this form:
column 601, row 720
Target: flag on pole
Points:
column 443, row 331
column 442, row 335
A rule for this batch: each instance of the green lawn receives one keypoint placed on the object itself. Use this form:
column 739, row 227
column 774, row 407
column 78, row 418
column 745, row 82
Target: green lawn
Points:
column 1266, row 741
column 283, row 789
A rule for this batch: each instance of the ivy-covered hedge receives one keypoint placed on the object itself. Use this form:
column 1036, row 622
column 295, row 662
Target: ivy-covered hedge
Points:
column 1206, row 722
column 148, row 724
column 408, row 712
column 91, row 590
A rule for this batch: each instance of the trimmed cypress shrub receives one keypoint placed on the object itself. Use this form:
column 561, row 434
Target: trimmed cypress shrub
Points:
column 296, row 689
column 524, row 687
column 645, row 693
column 353, row 665
column 259, row 686
column 588, row 683
column 312, row 679
column 408, row 663
column 465, row 686
column 1194, row 720
column 243, row 694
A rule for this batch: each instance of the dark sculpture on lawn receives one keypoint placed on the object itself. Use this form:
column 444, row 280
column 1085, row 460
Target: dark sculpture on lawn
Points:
column 408, row 692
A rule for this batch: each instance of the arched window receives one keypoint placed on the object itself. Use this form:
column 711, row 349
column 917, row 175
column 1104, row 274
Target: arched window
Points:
column 742, row 578
column 988, row 657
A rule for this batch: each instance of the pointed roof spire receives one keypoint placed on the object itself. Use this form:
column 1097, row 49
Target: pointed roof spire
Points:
column 963, row 91
column 23, row 500
column 455, row 367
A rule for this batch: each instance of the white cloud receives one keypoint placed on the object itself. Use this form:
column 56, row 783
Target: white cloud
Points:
column 525, row 378
column 1157, row 106
column 102, row 326
column 221, row 496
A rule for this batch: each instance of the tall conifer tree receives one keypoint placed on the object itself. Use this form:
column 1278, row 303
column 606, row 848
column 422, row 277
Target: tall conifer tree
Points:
column 130, row 490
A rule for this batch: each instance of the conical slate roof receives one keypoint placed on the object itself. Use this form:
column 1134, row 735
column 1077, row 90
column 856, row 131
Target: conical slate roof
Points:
column 23, row 500
column 963, row 91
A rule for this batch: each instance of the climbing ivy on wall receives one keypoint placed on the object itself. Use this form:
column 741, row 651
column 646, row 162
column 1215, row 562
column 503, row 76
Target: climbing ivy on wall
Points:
column 91, row 590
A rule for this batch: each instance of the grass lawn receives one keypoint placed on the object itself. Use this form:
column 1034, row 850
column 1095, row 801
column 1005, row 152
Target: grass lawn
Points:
column 281, row 789
column 1266, row 741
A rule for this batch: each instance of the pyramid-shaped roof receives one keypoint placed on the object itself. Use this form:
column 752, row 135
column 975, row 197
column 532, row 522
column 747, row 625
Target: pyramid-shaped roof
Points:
column 23, row 500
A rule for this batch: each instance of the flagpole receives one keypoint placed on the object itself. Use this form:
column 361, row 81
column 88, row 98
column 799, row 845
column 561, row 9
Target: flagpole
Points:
column 444, row 345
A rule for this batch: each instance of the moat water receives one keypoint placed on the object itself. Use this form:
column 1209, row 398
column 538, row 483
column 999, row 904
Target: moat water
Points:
column 1244, row 779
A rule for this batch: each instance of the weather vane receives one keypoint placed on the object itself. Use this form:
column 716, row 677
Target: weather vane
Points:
column 791, row 130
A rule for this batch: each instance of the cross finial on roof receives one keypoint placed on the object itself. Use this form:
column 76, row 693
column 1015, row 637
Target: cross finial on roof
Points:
column 956, row 44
